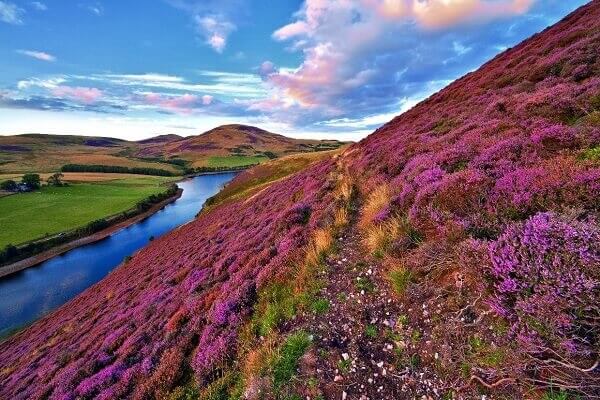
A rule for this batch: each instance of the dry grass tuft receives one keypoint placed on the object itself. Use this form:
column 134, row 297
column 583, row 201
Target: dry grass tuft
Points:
column 341, row 217
column 322, row 240
column 257, row 359
column 374, row 203
column 379, row 237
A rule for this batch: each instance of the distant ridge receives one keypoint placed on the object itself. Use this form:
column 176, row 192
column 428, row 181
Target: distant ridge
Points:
column 46, row 153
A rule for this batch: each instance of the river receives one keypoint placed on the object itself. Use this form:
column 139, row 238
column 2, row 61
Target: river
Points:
column 30, row 294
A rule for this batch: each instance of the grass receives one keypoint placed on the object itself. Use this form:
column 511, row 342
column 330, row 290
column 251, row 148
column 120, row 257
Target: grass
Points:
column 592, row 154
column 262, row 175
column 234, row 161
column 276, row 305
column 320, row 306
column 371, row 331
column 364, row 283
column 28, row 216
column 285, row 364
column 555, row 395
column 400, row 278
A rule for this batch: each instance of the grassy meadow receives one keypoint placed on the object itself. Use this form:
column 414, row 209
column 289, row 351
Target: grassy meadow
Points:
column 29, row 216
column 253, row 180
column 233, row 161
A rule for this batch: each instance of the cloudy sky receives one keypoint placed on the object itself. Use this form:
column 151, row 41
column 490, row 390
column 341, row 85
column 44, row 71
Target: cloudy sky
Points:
column 315, row 68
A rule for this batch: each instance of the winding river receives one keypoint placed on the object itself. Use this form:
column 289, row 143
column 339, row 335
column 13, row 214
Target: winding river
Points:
column 29, row 294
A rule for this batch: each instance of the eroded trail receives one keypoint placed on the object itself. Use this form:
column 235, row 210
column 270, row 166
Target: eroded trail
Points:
column 361, row 340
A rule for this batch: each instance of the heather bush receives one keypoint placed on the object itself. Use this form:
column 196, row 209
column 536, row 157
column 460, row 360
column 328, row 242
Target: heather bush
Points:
column 498, row 155
column 547, row 272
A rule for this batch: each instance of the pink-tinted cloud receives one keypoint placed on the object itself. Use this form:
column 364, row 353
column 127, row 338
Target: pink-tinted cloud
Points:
column 443, row 13
column 183, row 104
column 216, row 30
column 337, row 36
column 85, row 95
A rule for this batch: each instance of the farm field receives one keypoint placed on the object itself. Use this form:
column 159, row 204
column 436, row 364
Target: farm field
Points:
column 232, row 161
column 29, row 216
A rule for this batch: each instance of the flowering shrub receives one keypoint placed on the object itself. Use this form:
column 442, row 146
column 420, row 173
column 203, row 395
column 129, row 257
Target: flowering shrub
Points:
column 547, row 272
column 509, row 143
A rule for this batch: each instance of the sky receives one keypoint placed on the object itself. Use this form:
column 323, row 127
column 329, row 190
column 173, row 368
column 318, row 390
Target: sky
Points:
column 312, row 69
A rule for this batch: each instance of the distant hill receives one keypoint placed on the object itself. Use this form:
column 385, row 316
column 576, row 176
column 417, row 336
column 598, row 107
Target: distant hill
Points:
column 161, row 139
column 232, row 140
column 225, row 146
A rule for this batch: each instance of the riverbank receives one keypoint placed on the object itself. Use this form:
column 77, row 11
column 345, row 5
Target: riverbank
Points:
column 63, row 248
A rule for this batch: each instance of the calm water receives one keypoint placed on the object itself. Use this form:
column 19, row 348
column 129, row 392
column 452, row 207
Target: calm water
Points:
column 33, row 292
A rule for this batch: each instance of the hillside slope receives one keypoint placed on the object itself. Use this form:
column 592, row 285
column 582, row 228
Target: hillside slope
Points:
column 453, row 253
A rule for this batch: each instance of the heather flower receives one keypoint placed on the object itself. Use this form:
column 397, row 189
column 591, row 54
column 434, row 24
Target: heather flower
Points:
column 298, row 214
column 554, row 136
column 547, row 270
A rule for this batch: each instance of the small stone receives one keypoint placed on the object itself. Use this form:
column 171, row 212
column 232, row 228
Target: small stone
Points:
column 345, row 356
column 338, row 378
column 344, row 395
column 380, row 364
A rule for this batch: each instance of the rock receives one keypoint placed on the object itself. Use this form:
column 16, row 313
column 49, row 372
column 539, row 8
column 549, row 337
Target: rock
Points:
column 338, row 378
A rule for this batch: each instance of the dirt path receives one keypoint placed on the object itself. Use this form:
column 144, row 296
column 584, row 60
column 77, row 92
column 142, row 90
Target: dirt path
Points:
column 362, row 342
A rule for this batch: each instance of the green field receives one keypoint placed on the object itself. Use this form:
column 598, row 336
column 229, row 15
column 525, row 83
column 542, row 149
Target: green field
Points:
column 234, row 161
column 29, row 216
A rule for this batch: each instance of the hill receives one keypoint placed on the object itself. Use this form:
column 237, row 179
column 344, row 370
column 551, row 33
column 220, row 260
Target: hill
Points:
column 225, row 146
column 215, row 147
column 454, row 253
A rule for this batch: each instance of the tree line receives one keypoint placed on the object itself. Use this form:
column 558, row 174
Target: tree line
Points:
column 116, row 169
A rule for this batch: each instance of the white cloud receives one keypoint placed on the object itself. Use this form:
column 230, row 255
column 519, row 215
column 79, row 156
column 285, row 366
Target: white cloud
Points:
column 10, row 13
column 232, row 85
column 215, row 30
column 143, row 78
column 47, row 83
column 39, row 5
column 38, row 55
column 96, row 9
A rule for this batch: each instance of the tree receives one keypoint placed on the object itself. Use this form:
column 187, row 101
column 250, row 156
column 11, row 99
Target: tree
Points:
column 56, row 179
column 31, row 180
column 9, row 185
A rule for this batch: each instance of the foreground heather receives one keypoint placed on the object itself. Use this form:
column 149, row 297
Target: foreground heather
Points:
column 481, row 203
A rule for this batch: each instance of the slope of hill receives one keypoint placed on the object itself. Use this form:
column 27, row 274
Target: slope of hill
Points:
column 462, row 261
column 225, row 146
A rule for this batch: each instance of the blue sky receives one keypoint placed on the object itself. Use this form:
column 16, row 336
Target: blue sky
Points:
column 316, row 68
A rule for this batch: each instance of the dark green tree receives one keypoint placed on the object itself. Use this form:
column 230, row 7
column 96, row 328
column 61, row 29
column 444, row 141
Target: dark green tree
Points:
column 8, row 185
column 55, row 179
column 31, row 180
